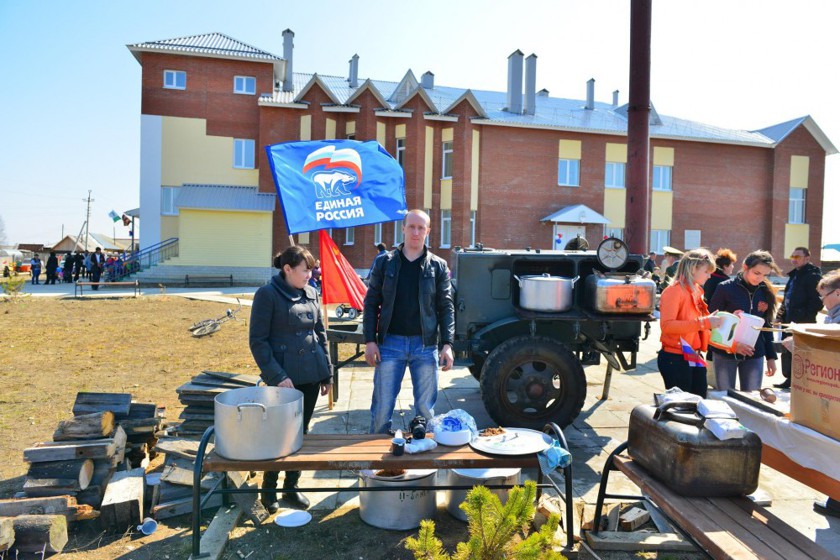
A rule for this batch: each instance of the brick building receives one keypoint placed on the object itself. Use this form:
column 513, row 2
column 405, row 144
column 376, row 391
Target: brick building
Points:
column 506, row 169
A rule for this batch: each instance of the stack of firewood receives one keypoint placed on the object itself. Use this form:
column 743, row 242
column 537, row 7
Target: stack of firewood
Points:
column 198, row 396
column 39, row 524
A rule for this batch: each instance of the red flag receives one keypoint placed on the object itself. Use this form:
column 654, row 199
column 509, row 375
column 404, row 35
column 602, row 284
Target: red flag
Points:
column 339, row 282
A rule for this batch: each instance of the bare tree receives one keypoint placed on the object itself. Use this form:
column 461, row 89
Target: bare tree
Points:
column 2, row 231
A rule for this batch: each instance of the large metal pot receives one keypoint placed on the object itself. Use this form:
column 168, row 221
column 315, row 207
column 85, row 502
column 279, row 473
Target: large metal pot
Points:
column 476, row 477
column 544, row 292
column 399, row 509
column 258, row 423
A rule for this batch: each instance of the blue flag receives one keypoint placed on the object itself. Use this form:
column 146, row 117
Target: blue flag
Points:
column 336, row 184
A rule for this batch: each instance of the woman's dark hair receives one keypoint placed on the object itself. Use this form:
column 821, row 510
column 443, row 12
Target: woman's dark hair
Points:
column 724, row 257
column 764, row 257
column 293, row 256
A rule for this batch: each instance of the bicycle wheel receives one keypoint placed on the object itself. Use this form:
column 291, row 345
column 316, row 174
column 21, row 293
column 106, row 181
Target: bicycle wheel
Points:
column 200, row 324
column 206, row 329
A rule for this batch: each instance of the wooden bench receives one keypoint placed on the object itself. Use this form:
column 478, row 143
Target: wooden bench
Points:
column 78, row 289
column 337, row 452
column 726, row 528
column 208, row 279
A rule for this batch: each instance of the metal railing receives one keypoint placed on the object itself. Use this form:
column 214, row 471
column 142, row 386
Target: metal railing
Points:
column 142, row 260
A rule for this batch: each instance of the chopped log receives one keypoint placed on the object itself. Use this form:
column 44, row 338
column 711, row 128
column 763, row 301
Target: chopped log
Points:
column 40, row 487
column 248, row 503
column 36, row 506
column 88, row 403
column 122, row 505
column 81, row 449
column 85, row 426
column 639, row 540
column 80, row 469
column 165, row 510
column 34, row 533
column 244, row 379
column 134, row 426
column 7, row 533
column 633, row 518
column 180, row 447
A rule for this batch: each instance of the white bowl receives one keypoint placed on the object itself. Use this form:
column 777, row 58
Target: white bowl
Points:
column 454, row 439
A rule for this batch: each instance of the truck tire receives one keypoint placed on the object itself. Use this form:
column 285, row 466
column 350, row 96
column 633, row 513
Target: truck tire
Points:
column 528, row 381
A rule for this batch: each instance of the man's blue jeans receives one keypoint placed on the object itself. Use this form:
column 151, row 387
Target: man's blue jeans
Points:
column 399, row 352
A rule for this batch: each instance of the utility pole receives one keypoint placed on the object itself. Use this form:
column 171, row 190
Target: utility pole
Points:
column 87, row 221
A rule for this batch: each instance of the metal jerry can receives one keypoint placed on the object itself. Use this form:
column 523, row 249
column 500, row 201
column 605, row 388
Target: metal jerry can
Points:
column 675, row 448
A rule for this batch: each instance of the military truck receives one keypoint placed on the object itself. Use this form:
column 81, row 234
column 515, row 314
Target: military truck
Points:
column 528, row 359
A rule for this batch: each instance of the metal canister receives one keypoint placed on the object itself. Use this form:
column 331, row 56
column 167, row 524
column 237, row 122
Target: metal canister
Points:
column 401, row 509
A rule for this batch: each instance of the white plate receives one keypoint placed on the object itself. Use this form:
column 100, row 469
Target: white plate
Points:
column 515, row 441
column 293, row 518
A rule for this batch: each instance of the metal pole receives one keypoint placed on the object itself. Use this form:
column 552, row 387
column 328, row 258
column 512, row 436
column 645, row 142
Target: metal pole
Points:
column 87, row 222
column 637, row 206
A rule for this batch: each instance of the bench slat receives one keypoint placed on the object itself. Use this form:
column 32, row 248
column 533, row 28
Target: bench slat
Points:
column 710, row 521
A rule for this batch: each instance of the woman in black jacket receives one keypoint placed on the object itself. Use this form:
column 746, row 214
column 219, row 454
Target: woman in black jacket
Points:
column 749, row 292
column 289, row 343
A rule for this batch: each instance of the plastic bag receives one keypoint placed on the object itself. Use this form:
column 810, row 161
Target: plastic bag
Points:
column 453, row 421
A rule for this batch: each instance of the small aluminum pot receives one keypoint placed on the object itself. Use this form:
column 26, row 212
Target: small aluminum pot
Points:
column 476, row 477
column 543, row 292
column 400, row 509
column 258, row 423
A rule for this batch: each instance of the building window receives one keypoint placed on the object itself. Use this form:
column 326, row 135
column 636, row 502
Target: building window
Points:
column 568, row 172
column 662, row 177
column 447, row 160
column 618, row 233
column 246, row 85
column 351, row 136
column 243, row 153
column 401, row 151
column 445, row 229
column 377, row 234
column 614, row 175
column 796, row 206
column 174, row 79
column 167, row 201
column 658, row 239
column 472, row 228
column 350, row 236
column 398, row 232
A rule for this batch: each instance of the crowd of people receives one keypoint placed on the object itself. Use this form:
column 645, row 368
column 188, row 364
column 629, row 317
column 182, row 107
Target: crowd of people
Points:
column 699, row 284
column 71, row 267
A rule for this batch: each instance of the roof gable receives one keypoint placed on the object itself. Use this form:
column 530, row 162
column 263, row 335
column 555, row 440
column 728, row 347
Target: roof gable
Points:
column 216, row 45
column 368, row 85
column 316, row 80
column 778, row 132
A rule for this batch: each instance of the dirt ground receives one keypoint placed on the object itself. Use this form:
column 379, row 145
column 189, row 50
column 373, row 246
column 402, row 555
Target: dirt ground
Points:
column 53, row 348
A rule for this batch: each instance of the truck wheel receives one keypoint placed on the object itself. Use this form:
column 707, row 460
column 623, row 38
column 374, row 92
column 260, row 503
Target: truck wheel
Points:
column 528, row 381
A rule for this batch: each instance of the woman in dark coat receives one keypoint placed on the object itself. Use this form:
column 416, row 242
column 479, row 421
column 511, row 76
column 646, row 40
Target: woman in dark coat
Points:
column 52, row 267
column 289, row 343
column 749, row 292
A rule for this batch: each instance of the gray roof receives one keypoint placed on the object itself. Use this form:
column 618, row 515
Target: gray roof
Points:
column 209, row 44
column 224, row 197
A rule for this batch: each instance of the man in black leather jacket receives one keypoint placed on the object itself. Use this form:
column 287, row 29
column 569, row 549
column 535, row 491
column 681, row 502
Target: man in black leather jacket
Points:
column 409, row 313
column 802, row 301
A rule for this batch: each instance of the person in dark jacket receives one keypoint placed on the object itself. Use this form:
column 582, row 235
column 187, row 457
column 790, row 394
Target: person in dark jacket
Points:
column 725, row 266
column 78, row 265
column 409, row 311
column 52, row 268
column 801, row 302
column 289, row 344
column 67, row 267
column 749, row 292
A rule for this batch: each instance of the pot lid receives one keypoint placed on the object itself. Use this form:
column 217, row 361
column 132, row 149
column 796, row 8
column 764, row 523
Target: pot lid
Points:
column 484, row 474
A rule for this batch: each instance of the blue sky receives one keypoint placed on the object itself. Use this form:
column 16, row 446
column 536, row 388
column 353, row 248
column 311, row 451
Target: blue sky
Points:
column 70, row 105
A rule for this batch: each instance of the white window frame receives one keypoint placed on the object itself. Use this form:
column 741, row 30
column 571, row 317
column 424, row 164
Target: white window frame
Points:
column 448, row 149
column 663, row 176
column 472, row 228
column 401, row 152
column 350, row 236
column 445, row 229
column 245, row 85
column 615, row 175
column 241, row 149
column 167, row 201
column 170, row 79
column 398, row 232
column 377, row 233
column 796, row 205
column 568, row 172
column 618, row 233
column 658, row 239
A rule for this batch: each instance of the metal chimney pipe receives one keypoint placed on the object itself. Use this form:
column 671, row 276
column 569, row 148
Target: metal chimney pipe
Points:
column 615, row 98
column 354, row 71
column 590, row 94
column 288, row 47
column 514, row 89
column 530, row 84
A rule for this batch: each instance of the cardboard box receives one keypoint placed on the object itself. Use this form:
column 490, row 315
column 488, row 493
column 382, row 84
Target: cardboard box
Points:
column 815, row 378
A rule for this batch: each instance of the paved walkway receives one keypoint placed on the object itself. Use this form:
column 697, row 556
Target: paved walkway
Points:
column 601, row 426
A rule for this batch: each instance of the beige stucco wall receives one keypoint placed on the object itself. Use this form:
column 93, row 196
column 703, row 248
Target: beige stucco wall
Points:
column 224, row 238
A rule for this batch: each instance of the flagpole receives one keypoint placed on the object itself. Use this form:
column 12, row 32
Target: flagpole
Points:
column 326, row 322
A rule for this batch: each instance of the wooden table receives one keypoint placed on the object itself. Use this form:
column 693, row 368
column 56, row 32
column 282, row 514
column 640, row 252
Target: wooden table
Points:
column 336, row 452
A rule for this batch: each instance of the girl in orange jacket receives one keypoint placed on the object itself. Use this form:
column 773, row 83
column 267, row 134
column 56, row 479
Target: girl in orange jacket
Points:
column 684, row 316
